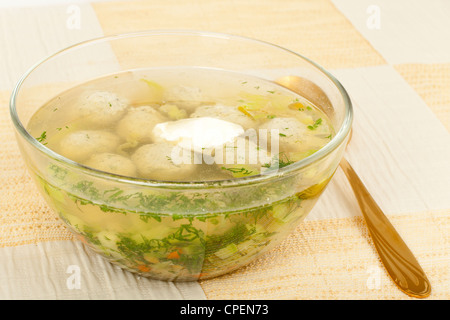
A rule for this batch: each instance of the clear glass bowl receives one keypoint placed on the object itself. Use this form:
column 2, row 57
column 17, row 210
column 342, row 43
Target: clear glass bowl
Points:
column 177, row 230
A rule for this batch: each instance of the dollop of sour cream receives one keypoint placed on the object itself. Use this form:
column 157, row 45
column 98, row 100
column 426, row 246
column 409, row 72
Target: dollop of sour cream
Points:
column 198, row 133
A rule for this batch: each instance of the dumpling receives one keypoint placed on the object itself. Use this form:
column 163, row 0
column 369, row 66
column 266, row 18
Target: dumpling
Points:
column 290, row 132
column 226, row 113
column 184, row 96
column 242, row 157
column 79, row 145
column 112, row 163
column 157, row 161
column 137, row 125
column 101, row 108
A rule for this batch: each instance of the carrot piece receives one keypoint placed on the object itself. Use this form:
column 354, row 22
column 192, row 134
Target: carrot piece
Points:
column 143, row 268
column 173, row 255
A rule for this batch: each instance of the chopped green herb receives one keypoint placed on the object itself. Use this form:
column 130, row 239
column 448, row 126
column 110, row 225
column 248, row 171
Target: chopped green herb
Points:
column 282, row 135
column 309, row 108
column 42, row 137
column 58, row 172
column 271, row 91
column 271, row 116
column 316, row 124
column 279, row 161
column 243, row 171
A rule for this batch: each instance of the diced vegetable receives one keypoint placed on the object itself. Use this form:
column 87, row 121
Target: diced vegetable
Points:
column 227, row 252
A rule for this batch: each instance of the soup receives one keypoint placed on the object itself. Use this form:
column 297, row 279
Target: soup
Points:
column 180, row 125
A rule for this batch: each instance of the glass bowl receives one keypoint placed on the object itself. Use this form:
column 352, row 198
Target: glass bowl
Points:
column 178, row 231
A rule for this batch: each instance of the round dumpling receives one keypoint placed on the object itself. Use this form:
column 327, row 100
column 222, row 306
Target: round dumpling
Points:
column 157, row 161
column 137, row 125
column 242, row 157
column 112, row 163
column 79, row 145
column 185, row 96
column 101, row 108
column 290, row 132
column 226, row 113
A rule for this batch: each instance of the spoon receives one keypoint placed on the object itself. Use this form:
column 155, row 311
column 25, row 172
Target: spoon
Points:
column 397, row 258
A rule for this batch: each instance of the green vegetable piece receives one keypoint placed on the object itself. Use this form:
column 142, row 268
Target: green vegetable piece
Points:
column 227, row 252
column 54, row 193
column 316, row 124
column 281, row 212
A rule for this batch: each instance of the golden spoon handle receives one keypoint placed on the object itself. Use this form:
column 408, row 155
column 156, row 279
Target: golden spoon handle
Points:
column 396, row 257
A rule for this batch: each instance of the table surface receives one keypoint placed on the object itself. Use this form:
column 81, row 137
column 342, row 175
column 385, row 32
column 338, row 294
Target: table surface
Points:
column 393, row 57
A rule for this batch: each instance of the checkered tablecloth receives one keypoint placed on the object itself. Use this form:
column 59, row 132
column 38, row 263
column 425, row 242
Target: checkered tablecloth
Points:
column 393, row 57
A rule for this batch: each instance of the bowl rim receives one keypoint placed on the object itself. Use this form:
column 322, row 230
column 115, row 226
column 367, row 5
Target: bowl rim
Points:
column 336, row 141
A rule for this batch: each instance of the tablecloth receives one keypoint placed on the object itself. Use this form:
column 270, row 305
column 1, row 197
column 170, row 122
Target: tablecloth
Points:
column 393, row 57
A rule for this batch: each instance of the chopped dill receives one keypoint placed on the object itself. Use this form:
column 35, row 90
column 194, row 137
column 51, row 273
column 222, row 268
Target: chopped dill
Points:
column 42, row 137
column 279, row 161
column 242, row 170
